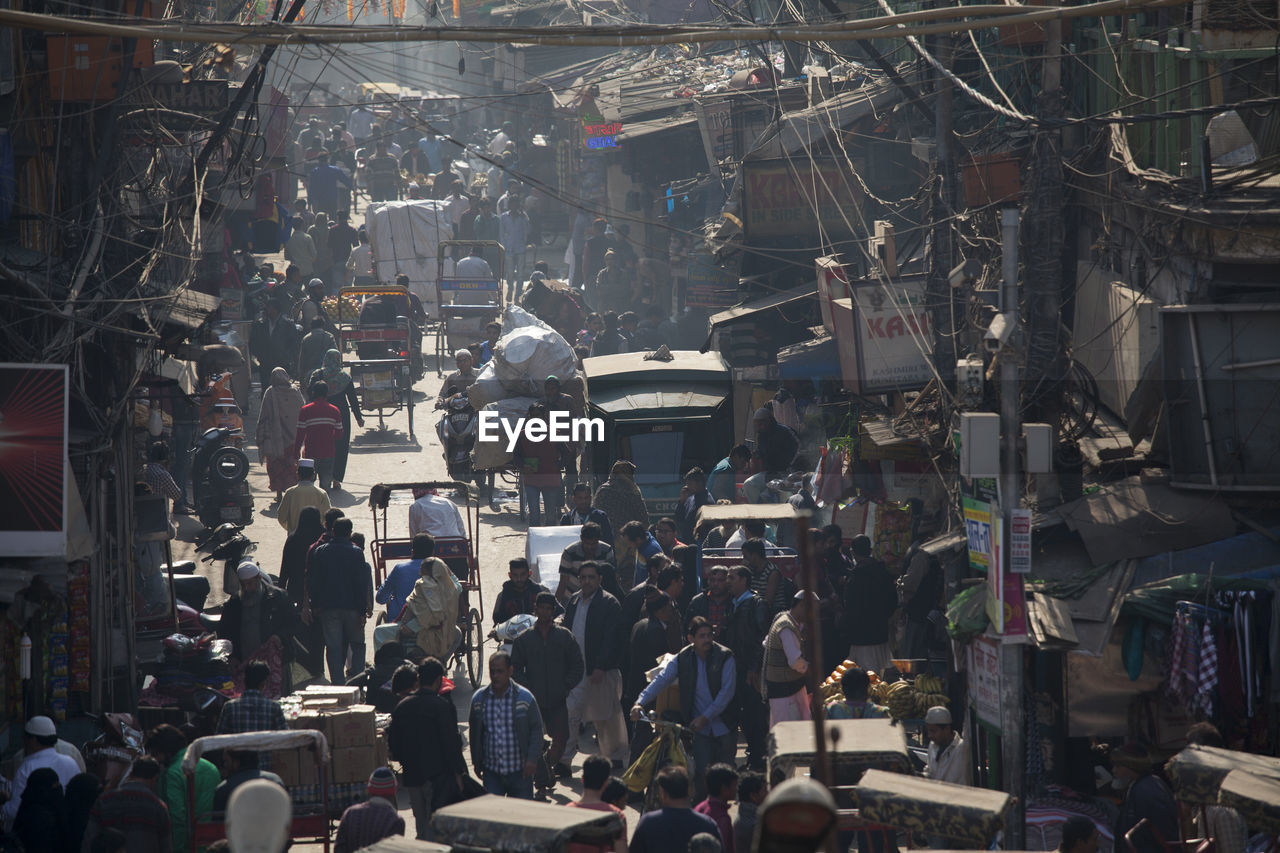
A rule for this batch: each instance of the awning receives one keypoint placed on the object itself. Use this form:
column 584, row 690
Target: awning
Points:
column 631, row 131
column 751, row 310
column 186, row 310
column 815, row 359
column 634, row 403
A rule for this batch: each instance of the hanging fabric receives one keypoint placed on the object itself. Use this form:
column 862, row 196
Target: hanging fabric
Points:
column 1208, row 675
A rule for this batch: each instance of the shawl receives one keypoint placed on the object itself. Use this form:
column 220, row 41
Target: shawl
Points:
column 434, row 605
column 621, row 500
column 278, row 420
column 335, row 377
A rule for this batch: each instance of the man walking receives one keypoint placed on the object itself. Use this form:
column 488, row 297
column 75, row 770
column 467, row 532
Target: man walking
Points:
column 322, row 184
column 519, row 594
column 133, row 809
column 506, row 732
column 588, row 547
column 298, row 497
column 548, row 661
column 340, row 596
column 424, row 738
column 319, row 426
column 870, row 599
column 714, row 603
column 273, row 341
column 671, row 828
column 706, row 675
column 786, row 662
column 39, row 742
column 583, row 512
column 593, row 616
column 743, row 633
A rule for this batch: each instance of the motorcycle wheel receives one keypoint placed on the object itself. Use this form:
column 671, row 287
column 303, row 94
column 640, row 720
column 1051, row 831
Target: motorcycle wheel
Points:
column 229, row 464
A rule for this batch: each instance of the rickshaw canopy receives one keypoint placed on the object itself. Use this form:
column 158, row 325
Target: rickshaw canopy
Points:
column 768, row 513
column 257, row 742
column 1197, row 772
column 926, row 806
column 400, row 844
column 380, row 495
column 1257, row 799
column 522, row 826
column 859, row 746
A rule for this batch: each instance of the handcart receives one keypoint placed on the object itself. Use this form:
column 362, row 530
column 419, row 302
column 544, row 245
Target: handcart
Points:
column 924, row 807
column 460, row 554
column 466, row 304
column 311, row 817
column 491, row 823
column 387, row 345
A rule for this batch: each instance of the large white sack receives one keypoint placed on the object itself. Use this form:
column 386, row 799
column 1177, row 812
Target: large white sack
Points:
column 486, row 389
column 524, row 358
column 493, row 454
column 515, row 317
column 405, row 237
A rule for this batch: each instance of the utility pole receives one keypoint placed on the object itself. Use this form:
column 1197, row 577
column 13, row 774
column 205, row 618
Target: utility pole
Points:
column 940, row 294
column 1013, row 736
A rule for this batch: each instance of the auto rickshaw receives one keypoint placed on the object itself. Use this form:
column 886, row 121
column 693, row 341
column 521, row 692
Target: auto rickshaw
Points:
column 501, row 824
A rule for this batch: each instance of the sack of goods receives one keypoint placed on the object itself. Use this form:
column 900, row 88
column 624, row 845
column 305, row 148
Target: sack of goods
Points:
column 493, row 454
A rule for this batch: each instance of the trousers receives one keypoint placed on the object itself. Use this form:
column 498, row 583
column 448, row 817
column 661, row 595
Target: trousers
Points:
column 586, row 703
column 343, row 628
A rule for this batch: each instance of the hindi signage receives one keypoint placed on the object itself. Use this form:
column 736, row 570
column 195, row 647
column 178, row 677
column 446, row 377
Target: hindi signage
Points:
column 709, row 286
column 715, row 121
column 1020, row 541
column 984, row 679
column 978, row 528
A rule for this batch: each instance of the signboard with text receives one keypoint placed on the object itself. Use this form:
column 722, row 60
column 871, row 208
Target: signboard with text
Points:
column 715, row 121
column 984, row 679
column 894, row 334
column 788, row 198
column 709, row 286
column 978, row 529
column 1020, row 541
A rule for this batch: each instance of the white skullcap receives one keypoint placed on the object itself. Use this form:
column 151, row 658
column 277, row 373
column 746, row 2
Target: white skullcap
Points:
column 259, row 814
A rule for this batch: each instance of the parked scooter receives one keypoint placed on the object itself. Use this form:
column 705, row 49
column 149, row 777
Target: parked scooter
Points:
column 457, row 432
column 227, row 543
column 219, row 473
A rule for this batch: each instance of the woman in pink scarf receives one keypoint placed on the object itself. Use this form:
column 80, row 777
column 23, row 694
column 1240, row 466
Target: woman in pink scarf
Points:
column 277, row 430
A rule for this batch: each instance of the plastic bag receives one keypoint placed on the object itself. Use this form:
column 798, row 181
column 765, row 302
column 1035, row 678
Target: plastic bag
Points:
column 967, row 613
column 828, row 477
column 525, row 357
column 486, row 389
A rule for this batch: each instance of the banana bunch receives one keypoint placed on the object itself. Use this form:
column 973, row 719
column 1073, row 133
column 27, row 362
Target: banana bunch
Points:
column 926, row 683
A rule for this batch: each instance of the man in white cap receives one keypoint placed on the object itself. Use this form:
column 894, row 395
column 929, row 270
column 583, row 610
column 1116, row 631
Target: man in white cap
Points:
column 40, row 737
column 948, row 752
column 306, row 493
column 259, row 814
column 786, row 663
column 250, row 619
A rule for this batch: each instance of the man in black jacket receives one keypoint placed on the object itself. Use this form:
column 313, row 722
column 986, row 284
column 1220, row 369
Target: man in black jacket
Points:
column 776, row 448
column 518, row 594
column 594, row 618
column 424, row 738
column 257, row 613
column 693, row 497
column 713, row 604
column 273, row 341
column 743, row 633
column 547, row 660
column 870, row 599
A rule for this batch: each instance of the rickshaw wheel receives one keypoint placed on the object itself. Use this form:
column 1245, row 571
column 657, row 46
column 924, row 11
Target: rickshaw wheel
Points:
column 475, row 648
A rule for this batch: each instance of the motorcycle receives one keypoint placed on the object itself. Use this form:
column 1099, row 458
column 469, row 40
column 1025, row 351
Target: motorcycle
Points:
column 219, row 472
column 506, row 633
column 227, row 543
column 457, row 433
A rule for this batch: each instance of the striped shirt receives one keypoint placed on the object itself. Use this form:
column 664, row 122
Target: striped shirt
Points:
column 319, row 425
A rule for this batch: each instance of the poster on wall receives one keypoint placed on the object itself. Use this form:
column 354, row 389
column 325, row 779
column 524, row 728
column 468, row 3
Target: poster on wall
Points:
column 33, row 459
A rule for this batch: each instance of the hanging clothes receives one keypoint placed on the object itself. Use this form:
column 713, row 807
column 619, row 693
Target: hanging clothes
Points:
column 1208, row 675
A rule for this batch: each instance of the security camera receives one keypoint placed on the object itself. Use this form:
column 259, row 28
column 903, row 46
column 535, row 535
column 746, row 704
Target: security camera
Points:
column 1000, row 333
column 965, row 273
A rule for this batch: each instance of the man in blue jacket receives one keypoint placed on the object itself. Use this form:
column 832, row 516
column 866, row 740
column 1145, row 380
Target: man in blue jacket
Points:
column 506, row 732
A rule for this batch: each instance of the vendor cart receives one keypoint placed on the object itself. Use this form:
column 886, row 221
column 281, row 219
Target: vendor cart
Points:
column 786, row 559
column 311, row 817
column 466, row 304
column 925, row 807
column 1199, row 776
column 387, row 344
column 461, row 555
column 505, row 825
column 853, row 748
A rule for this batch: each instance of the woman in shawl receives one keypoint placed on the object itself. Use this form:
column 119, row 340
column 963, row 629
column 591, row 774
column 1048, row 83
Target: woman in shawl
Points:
column 41, row 824
column 343, row 395
column 293, row 560
column 619, row 498
column 433, row 606
column 82, row 792
column 277, row 429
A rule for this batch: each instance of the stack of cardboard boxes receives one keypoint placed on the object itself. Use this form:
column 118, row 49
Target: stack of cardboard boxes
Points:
column 355, row 744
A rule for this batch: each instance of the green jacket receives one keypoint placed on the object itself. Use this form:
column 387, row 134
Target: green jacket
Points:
column 173, row 790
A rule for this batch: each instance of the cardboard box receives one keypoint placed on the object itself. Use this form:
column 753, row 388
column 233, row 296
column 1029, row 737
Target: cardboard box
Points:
column 295, row 767
column 314, row 720
column 352, row 764
column 381, row 756
column 356, row 726
column 345, row 695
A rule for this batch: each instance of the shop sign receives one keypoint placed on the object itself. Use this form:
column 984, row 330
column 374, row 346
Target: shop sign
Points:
column 709, row 286
column 1020, row 541
column 603, row 134
column 33, row 460
column 199, row 97
column 715, row 121
column 984, row 679
column 978, row 528
column 790, row 198
column 894, row 334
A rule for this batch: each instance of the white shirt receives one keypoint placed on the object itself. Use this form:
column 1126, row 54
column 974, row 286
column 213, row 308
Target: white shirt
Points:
column 437, row 516
column 63, row 765
column 580, row 622
column 454, row 207
column 473, row 266
column 950, row 764
column 360, row 123
column 735, row 543
column 498, row 144
column 361, row 260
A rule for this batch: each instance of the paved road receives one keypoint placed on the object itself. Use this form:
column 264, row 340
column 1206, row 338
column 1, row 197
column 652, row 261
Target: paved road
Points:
column 387, row 455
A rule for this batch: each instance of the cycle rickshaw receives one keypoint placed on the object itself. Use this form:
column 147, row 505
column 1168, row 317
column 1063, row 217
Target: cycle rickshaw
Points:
column 466, row 304
column 388, row 347
column 460, row 554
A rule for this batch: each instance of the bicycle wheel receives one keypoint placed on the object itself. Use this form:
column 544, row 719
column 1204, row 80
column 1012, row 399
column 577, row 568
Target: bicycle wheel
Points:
column 475, row 648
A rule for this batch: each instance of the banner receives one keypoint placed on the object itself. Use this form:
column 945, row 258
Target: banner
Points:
column 33, row 460
column 977, row 525
column 789, row 198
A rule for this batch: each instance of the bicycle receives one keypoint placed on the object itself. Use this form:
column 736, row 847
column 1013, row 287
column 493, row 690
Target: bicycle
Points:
column 668, row 747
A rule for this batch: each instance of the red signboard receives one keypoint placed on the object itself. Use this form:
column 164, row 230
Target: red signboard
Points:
column 784, row 198
column 33, row 459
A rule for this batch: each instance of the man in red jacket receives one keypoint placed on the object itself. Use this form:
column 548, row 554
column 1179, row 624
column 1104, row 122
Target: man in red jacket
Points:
column 319, row 425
